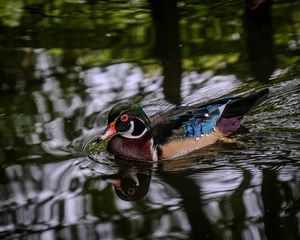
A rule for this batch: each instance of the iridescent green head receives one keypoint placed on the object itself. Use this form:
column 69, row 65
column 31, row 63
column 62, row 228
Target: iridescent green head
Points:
column 128, row 120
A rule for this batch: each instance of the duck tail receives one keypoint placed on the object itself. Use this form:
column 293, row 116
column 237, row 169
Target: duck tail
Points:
column 241, row 105
column 234, row 111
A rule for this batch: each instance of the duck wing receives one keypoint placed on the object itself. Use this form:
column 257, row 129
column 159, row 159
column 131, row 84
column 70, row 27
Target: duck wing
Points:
column 197, row 121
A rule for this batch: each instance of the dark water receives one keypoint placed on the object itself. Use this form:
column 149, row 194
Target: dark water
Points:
column 64, row 64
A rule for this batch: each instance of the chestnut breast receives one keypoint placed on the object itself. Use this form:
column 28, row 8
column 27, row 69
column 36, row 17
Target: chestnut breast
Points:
column 131, row 149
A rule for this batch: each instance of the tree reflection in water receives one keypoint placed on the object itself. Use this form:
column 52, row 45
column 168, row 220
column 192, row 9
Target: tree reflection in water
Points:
column 65, row 63
column 217, row 199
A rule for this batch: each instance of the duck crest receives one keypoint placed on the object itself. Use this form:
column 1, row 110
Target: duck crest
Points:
column 132, row 108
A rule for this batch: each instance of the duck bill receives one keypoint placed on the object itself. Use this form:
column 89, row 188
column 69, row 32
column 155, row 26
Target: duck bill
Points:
column 109, row 132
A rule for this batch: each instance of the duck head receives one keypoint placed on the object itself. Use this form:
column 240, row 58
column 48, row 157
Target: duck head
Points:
column 127, row 120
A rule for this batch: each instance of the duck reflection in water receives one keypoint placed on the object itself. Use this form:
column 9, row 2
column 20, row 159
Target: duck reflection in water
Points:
column 131, row 182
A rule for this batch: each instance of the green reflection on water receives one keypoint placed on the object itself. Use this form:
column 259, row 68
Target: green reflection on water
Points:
column 65, row 63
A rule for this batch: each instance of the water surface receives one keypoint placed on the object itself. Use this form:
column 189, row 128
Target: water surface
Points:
column 64, row 64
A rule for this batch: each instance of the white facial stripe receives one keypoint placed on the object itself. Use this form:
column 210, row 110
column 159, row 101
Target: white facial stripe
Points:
column 128, row 134
column 154, row 151
column 130, row 131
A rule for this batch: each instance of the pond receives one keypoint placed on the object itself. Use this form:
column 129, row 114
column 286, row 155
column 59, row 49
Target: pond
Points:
column 64, row 64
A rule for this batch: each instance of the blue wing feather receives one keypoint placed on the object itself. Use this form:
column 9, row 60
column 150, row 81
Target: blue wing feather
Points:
column 203, row 120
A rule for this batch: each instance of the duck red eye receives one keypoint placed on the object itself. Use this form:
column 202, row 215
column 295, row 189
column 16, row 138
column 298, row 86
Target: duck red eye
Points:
column 124, row 118
column 131, row 191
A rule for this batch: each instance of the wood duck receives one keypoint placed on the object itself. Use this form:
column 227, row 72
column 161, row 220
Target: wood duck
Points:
column 133, row 136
